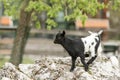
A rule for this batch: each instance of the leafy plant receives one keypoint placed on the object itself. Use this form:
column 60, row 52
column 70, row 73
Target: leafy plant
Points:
column 78, row 9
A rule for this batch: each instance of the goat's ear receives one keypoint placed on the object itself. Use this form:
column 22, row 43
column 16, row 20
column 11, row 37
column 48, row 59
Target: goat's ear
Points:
column 63, row 33
column 100, row 32
column 90, row 32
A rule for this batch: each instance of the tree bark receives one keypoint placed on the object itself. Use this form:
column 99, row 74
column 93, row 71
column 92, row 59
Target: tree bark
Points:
column 21, row 35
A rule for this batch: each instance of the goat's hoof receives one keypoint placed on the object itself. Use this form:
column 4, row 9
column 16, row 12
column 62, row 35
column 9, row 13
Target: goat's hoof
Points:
column 71, row 70
column 86, row 68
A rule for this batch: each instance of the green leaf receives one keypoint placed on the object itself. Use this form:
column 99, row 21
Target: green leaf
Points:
column 37, row 25
column 49, row 27
column 83, row 18
column 51, row 22
column 67, row 18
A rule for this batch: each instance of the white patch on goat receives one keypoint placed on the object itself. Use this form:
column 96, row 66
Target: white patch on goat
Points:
column 99, row 51
column 91, row 41
column 89, row 44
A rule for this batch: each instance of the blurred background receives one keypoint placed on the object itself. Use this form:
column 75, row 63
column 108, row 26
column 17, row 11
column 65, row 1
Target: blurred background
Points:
column 40, row 39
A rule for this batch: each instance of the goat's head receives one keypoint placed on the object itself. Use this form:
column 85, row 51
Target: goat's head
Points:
column 94, row 34
column 59, row 37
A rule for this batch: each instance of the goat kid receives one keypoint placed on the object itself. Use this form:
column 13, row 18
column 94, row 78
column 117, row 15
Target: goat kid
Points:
column 80, row 47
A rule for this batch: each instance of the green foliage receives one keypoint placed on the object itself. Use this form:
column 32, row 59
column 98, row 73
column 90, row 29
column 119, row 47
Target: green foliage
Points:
column 51, row 23
column 3, row 60
column 11, row 7
column 73, row 9
column 114, row 4
column 37, row 6
column 82, row 18
column 37, row 25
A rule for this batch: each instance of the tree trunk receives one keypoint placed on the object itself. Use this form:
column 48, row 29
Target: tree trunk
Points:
column 21, row 35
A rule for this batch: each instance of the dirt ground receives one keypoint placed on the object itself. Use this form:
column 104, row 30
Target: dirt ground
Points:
column 35, row 46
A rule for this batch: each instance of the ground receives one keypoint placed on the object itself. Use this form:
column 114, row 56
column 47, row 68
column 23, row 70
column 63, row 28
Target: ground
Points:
column 34, row 46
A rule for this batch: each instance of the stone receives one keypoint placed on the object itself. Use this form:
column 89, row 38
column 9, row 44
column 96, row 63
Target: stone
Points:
column 57, row 68
column 5, row 78
column 29, row 69
column 11, row 72
column 114, row 61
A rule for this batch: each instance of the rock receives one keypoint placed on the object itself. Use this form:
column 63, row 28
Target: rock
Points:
column 114, row 61
column 9, row 71
column 86, row 76
column 5, row 78
column 29, row 69
column 57, row 68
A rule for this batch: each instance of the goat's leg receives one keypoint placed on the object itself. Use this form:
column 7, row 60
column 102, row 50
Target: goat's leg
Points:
column 93, row 54
column 85, row 64
column 73, row 63
column 91, row 60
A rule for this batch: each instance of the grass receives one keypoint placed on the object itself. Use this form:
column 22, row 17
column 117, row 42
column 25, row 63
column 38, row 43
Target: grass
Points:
column 27, row 61
column 3, row 60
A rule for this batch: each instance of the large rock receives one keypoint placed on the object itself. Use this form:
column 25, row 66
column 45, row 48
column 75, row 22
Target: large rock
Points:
column 56, row 68
column 10, row 72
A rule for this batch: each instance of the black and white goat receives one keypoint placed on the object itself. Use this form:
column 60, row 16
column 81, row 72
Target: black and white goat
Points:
column 80, row 47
